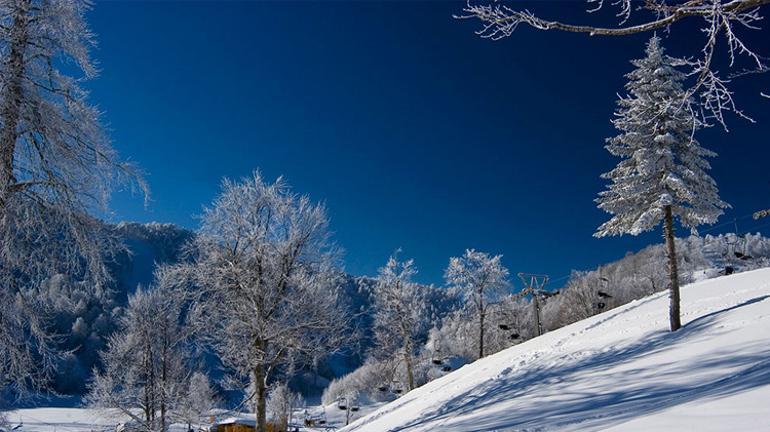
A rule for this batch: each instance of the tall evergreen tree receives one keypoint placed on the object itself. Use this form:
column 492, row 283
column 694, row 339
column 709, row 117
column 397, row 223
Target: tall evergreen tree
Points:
column 663, row 171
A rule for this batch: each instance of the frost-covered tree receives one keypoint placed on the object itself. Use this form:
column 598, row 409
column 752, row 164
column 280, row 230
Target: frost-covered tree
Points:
column 199, row 399
column 281, row 403
column 265, row 260
column 56, row 167
column 482, row 279
column 400, row 314
column 146, row 370
column 56, row 162
column 721, row 21
column 663, row 171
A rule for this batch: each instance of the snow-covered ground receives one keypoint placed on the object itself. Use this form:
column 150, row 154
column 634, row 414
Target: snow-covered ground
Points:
column 47, row 419
column 618, row 371
column 60, row 420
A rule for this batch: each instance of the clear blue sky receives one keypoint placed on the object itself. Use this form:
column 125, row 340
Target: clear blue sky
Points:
column 416, row 133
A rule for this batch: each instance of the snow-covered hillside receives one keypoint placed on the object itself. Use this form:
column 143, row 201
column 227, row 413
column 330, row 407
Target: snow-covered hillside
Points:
column 621, row 370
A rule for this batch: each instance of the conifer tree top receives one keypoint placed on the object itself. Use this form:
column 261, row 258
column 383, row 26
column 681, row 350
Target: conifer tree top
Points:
column 662, row 164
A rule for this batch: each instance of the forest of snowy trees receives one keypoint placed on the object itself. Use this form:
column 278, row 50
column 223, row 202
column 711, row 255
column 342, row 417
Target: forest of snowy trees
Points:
column 161, row 324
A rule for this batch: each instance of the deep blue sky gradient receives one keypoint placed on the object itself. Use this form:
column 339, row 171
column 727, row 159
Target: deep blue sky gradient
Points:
column 416, row 133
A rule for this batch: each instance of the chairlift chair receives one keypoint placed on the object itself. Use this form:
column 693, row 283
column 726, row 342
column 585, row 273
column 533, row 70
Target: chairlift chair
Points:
column 601, row 305
column 446, row 368
column 504, row 327
column 514, row 336
column 437, row 362
column 742, row 256
column 604, row 295
column 355, row 408
column 382, row 388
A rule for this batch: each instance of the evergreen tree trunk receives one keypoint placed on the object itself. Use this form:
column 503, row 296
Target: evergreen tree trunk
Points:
column 261, row 394
column 673, row 272
column 10, row 112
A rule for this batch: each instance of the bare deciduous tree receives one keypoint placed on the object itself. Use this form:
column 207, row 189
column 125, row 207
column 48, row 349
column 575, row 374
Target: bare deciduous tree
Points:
column 146, row 363
column 56, row 167
column 400, row 314
column 266, row 261
column 482, row 279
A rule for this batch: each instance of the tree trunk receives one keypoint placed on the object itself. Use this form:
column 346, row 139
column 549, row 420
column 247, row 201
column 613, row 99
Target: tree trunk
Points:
column 481, row 333
column 149, row 405
column 408, row 362
column 261, row 395
column 673, row 272
column 164, row 386
column 10, row 112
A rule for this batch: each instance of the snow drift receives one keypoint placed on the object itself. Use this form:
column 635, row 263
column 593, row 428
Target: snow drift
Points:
column 620, row 370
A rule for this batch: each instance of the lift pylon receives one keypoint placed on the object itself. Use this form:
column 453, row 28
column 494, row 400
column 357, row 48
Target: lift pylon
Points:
column 534, row 285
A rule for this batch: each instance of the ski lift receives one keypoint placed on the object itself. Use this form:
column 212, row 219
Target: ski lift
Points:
column 504, row 327
column 514, row 336
column 742, row 256
column 446, row 368
column 604, row 295
column 382, row 388
column 727, row 271
column 355, row 408
column 740, row 242
column 437, row 362
column 548, row 294
column 601, row 305
column 342, row 404
column 398, row 391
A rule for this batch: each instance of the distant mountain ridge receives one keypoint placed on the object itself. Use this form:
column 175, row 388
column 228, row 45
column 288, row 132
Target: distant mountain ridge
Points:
column 94, row 316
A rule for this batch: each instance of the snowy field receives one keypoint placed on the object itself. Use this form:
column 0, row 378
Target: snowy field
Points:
column 618, row 371
column 60, row 420
column 89, row 420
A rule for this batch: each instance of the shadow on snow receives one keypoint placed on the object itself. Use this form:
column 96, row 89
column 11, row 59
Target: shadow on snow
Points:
column 637, row 392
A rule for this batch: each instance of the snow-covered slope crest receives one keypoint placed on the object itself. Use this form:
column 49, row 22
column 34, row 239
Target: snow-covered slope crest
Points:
column 621, row 370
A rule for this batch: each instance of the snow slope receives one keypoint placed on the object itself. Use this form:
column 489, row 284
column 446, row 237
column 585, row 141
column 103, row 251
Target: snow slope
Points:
column 618, row 371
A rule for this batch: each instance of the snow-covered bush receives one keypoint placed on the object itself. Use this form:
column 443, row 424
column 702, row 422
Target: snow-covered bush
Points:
column 365, row 382
column 281, row 402
column 197, row 401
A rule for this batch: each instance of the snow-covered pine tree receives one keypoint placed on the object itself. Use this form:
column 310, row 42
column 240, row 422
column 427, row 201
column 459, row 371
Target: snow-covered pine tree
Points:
column 481, row 278
column 400, row 314
column 663, row 171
